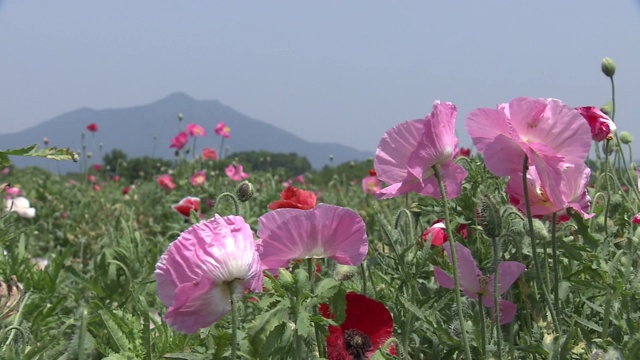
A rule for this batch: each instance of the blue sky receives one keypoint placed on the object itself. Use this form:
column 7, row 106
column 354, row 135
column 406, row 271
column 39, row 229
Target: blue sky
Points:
column 326, row 71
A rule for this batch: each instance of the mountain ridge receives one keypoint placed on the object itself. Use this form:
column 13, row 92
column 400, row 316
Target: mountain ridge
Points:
column 133, row 129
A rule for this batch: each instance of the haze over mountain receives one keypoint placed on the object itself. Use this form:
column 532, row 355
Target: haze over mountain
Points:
column 133, row 129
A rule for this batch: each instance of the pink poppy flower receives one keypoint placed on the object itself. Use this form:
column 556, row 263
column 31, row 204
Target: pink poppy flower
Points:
column 473, row 283
column 198, row 178
column 196, row 130
column 92, row 179
column 287, row 183
column 551, row 134
column 209, row 154
column 236, row 173
column 223, row 130
column 324, row 231
column 6, row 171
column 116, row 178
column 96, row 187
column 93, row 127
column 97, row 167
column 300, row 178
column 166, row 182
column 179, row 141
column 194, row 273
column 602, row 127
column 407, row 153
column 13, row 191
column 636, row 219
column 371, row 185
column 573, row 192
column 185, row 206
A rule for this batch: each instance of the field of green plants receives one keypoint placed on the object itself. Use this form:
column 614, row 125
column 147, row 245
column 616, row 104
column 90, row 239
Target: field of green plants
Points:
column 525, row 247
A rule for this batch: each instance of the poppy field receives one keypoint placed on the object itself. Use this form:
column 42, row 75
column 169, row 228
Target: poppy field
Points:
column 524, row 247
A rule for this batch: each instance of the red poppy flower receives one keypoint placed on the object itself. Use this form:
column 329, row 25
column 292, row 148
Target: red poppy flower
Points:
column 295, row 198
column 372, row 172
column 438, row 232
column 126, row 190
column 97, row 167
column 367, row 326
column 185, row 206
column 93, row 127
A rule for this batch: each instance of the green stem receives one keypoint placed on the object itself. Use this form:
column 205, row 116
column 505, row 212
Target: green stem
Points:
column 607, row 187
column 363, row 274
column 496, row 294
column 556, row 269
column 483, row 332
column 454, row 263
column 234, row 200
column 234, row 322
column 534, row 249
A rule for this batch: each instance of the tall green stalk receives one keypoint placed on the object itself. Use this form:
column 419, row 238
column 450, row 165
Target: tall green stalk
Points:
column 496, row 294
column 234, row 322
column 534, row 248
column 454, row 263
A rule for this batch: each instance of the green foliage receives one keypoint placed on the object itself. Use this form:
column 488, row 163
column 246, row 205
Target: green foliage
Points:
column 289, row 165
column 48, row 153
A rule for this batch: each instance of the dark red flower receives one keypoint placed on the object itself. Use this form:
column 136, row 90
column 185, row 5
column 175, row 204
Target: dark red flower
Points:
column 602, row 127
column 126, row 190
column 466, row 152
column 93, row 127
column 295, row 198
column 185, row 206
column 367, row 326
column 372, row 172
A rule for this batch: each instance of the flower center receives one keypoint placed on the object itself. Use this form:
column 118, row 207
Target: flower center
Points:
column 484, row 285
column 357, row 344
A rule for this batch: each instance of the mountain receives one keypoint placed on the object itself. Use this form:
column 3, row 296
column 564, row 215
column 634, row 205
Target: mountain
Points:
column 133, row 129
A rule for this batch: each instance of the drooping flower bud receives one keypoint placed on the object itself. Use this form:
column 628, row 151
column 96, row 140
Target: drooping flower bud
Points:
column 345, row 272
column 244, row 191
column 626, row 137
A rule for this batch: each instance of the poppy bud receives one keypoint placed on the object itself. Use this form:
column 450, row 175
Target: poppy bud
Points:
column 345, row 272
column 539, row 230
column 607, row 109
column 244, row 191
column 285, row 278
column 608, row 67
column 626, row 137
column 180, row 116
column 490, row 218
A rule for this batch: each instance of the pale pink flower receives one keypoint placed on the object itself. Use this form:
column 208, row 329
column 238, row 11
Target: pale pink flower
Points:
column 92, row 179
column 473, row 283
column 21, row 206
column 573, row 190
column 236, row 173
column 287, row 183
column 179, row 141
column 551, row 134
column 223, row 130
column 5, row 171
column 325, row 231
column 198, row 178
column 196, row 130
column 166, row 182
column 371, row 185
column 407, row 153
column 194, row 274
column 602, row 127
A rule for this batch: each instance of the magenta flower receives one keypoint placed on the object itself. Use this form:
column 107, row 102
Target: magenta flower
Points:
column 236, row 173
column 223, row 130
column 407, row 153
column 371, row 185
column 13, row 191
column 551, row 134
column 324, row 231
column 179, row 141
column 300, row 178
column 193, row 274
column 196, row 130
column 473, row 283
column 573, row 192
column 636, row 219
column 602, row 127
column 198, row 178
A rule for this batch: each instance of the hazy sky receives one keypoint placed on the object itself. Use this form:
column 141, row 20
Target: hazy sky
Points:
column 342, row 71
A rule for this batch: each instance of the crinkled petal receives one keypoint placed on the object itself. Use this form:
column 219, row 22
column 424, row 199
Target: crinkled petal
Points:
column 483, row 125
column 395, row 149
column 198, row 305
column 467, row 268
column 324, row 231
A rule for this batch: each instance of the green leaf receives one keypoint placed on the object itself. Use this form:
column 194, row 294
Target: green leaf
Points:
column 119, row 339
column 589, row 324
column 302, row 323
column 48, row 153
column 325, row 290
column 264, row 324
column 185, row 356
